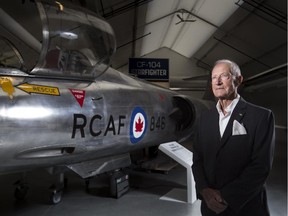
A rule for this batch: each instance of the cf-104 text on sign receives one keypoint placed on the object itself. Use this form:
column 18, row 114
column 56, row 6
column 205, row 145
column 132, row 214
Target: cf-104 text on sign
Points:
column 149, row 68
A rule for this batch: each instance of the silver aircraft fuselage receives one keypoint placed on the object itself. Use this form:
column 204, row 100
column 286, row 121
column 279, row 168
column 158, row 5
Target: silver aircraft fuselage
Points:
column 52, row 122
column 67, row 106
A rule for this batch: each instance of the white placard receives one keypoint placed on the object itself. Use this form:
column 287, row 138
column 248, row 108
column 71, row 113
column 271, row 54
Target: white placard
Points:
column 177, row 152
column 184, row 157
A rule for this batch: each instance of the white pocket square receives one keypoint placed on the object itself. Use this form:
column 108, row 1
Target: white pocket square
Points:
column 238, row 129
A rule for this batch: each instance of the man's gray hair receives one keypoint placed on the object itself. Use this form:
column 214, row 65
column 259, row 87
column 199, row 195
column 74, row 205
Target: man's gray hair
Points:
column 234, row 68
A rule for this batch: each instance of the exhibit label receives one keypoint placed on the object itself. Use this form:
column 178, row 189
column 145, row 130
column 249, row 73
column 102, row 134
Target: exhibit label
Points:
column 149, row 68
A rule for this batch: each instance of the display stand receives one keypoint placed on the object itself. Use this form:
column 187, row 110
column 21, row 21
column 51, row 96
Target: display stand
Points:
column 184, row 157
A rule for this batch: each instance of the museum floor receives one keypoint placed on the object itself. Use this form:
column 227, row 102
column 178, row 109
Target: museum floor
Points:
column 146, row 196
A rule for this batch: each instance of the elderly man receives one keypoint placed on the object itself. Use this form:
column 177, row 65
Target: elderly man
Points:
column 233, row 154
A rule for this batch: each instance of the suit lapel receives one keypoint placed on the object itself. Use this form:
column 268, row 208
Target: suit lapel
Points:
column 238, row 113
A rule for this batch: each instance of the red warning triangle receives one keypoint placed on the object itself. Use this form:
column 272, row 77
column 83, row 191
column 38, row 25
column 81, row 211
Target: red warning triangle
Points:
column 79, row 95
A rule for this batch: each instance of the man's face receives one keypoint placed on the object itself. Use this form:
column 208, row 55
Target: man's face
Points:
column 223, row 86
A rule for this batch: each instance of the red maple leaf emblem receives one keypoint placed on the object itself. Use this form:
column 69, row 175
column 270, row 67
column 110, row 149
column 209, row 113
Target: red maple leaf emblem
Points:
column 139, row 125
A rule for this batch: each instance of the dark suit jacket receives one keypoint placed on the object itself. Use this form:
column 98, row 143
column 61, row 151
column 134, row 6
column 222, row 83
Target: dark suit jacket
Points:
column 236, row 165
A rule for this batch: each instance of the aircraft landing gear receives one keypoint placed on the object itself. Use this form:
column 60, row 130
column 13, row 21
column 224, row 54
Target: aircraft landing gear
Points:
column 87, row 184
column 55, row 195
column 57, row 190
column 21, row 190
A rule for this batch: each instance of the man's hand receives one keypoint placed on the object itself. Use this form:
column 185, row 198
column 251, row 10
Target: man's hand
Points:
column 214, row 200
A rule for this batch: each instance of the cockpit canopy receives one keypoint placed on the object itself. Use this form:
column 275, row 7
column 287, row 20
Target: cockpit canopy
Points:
column 10, row 56
column 74, row 44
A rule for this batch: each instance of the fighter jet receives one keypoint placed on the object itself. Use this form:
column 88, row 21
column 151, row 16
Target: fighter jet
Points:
column 61, row 104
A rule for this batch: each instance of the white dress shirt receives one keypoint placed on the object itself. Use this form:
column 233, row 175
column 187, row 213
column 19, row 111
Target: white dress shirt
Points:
column 224, row 119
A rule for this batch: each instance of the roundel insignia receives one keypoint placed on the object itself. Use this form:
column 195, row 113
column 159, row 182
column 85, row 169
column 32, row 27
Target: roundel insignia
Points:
column 138, row 125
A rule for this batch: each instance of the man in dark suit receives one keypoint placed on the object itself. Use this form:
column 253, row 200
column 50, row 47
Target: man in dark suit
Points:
column 233, row 154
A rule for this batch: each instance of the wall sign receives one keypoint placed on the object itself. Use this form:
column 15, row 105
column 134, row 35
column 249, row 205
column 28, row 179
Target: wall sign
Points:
column 149, row 68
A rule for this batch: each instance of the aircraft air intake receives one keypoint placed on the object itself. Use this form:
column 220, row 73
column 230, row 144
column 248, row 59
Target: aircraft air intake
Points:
column 183, row 113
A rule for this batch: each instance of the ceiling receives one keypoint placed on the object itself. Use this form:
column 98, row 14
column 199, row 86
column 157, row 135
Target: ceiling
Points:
column 253, row 33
